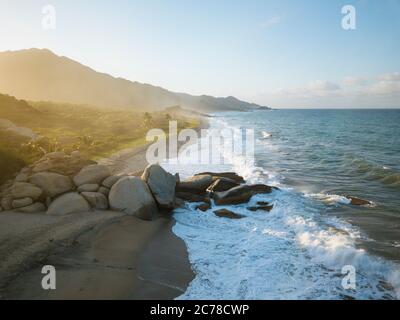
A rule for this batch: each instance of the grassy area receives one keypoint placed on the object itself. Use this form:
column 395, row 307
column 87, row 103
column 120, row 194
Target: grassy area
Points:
column 96, row 132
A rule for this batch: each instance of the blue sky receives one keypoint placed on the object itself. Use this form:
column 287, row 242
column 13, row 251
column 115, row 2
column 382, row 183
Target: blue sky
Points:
column 291, row 53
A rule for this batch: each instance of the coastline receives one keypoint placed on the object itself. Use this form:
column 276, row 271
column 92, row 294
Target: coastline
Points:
column 98, row 254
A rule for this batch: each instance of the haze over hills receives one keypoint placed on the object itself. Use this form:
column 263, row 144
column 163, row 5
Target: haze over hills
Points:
column 41, row 75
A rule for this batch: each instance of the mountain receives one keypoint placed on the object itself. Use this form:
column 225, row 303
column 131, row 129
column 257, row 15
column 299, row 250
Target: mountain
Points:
column 41, row 75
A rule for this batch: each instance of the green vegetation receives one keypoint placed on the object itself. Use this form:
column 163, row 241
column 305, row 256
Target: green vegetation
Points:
column 95, row 132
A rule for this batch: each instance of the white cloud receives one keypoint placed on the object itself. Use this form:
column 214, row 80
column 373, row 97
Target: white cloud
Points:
column 317, row 88
column 384, row 88
column 394, row 76
column 271, row 21
column 351, row 92
column 322, row 86
column 386, row 84
column 354, row 81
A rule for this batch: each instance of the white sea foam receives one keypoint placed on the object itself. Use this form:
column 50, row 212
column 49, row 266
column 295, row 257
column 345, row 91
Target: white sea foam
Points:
column 292, row 252
column 329, row 198
column 266, row 135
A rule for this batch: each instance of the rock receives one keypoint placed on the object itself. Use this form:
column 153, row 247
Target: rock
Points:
column 104, row 191
column 96, row 200
column 240, row 194
column 94, row 173
column 262, row 203
column 162, row 185
column 42, row 166
column 263, row 208
column 76, row 154
column 222, row 184
column 203, row 207
column 229, row 175
column 111, row 180
column 136, row 174
column 132, row 196
column 190, row 197
column 25, row 190
column 1, row 209
column 224, row 213
column 25, row 170
column 55, row 155
column 93, row 187
column 6, row 202
column 177, row 178
column 33, row 208
column 196, row 184
column 357, row 201
column 22, row 177
column 19, row 203
column 53, row 184
column 179, row 203
column 48, row 202
column 68, row 203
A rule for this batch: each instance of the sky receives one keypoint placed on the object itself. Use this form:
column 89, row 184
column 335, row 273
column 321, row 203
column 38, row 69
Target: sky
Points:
column 279, row 53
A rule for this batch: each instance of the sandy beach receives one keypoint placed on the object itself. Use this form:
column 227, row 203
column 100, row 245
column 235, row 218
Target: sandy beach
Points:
column 97, row 255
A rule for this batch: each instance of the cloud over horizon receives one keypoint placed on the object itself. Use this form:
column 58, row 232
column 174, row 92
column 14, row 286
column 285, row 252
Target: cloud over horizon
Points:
column 381, row 90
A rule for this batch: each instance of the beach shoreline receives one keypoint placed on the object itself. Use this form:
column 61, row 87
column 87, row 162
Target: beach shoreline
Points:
column 98, row 254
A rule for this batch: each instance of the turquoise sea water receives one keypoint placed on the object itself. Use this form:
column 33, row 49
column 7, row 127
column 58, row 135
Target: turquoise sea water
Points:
column 299, row 249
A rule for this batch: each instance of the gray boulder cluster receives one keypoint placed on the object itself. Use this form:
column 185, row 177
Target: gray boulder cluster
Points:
column 60, row 184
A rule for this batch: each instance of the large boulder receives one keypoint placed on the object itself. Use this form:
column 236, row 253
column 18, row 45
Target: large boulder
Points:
column 25, row 190
column 104, row 191
column 111, row 180
column 162, row 185
column 196, row 184
column 68, row 203
column 240, row 194
column 96, row 200
column 92, row 187
column 222, row 184
column 19, row 203
column 132, row 196
column 191, row 197
column 94, row 173
column 6, row 202
column 33, row 208
column 22, row 177
column 229, row 175
column 53, row 184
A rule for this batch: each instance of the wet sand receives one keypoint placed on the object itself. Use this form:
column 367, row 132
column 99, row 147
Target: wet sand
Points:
column 122, row 258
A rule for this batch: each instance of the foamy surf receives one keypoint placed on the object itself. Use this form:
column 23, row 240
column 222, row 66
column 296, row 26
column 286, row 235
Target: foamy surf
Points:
column 292, row 252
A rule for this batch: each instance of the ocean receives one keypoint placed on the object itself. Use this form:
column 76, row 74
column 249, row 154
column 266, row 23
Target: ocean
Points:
column 299, row 249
